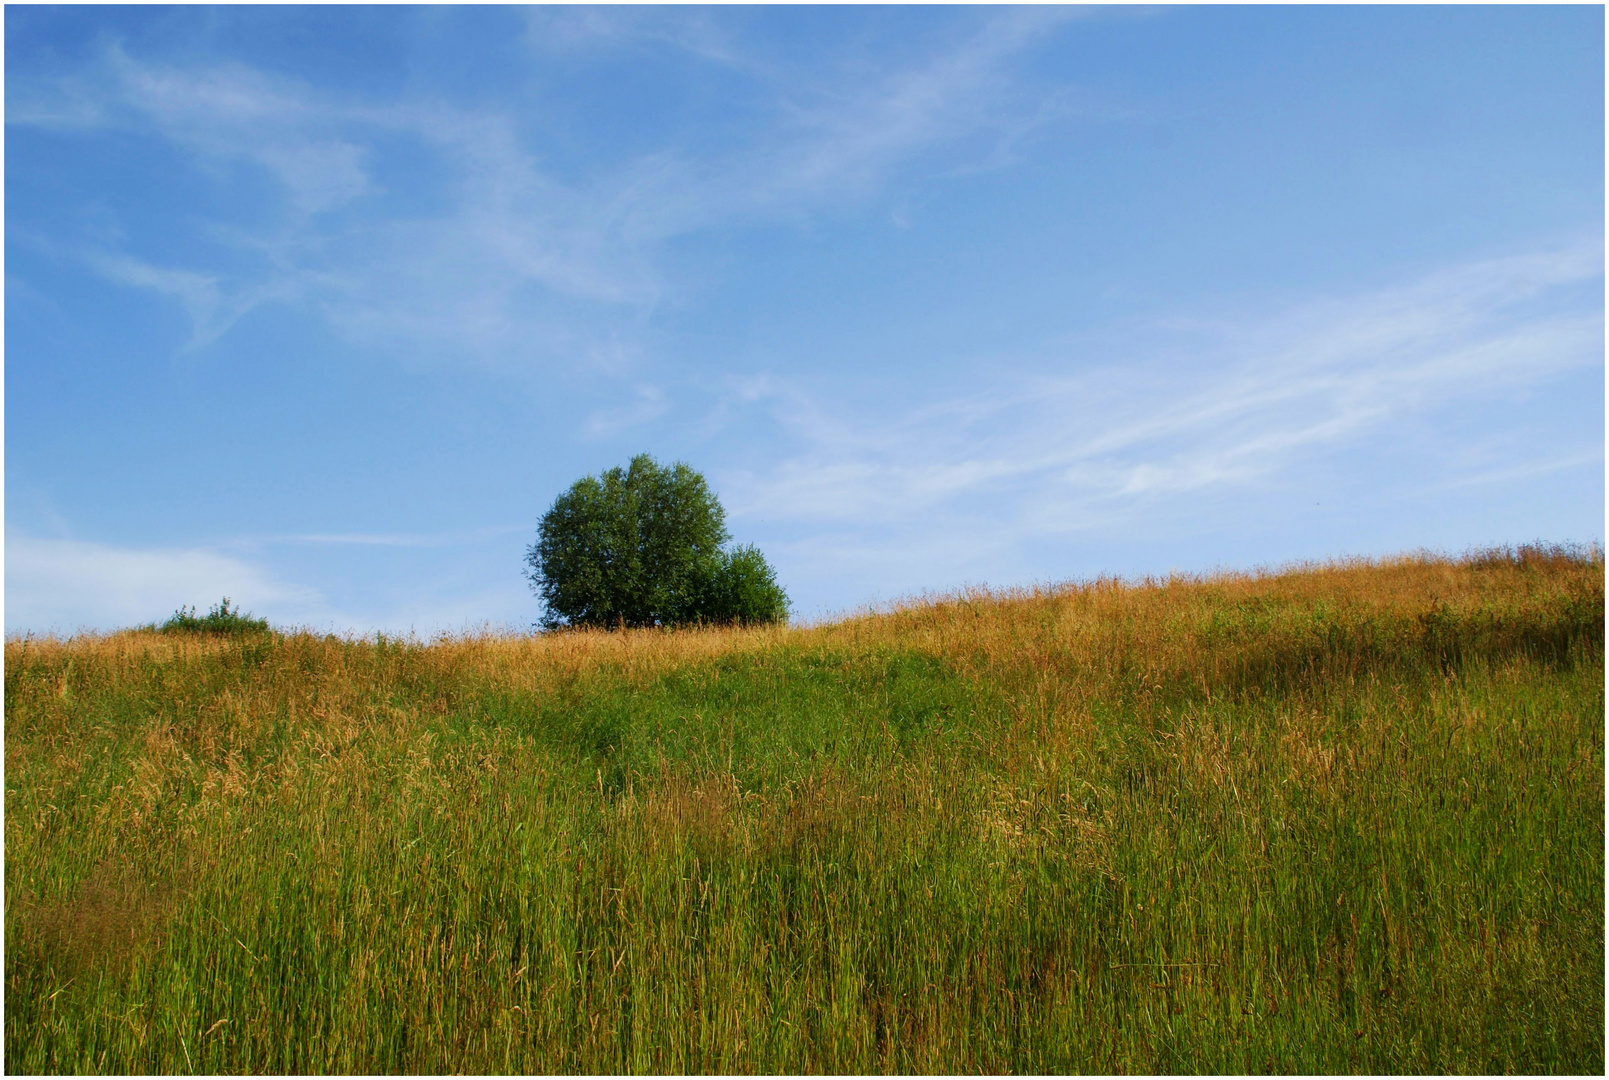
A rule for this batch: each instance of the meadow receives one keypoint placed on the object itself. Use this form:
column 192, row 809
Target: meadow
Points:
column 1340, row 818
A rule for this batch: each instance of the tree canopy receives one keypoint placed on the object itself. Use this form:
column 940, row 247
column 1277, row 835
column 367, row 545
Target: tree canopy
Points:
column 644, row 546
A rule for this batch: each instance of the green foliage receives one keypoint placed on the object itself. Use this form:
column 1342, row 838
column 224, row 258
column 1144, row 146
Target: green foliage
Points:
column 744, row 590
column 642, row 547
column 220, row 620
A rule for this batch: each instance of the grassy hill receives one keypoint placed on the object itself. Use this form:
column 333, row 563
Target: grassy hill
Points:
column 1336, row 819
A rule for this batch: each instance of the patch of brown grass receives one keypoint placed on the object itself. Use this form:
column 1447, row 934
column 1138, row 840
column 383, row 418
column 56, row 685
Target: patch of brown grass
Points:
column 112, row 913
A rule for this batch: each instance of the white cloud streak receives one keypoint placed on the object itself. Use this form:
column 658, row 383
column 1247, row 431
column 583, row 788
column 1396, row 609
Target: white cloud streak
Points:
column 852, row 140
column 452, row 538
column 63, row 586
column 211, row 307
column 515, row 267
column 233, row 113
column 984, row 487
column 1238, row 405
column 67, row 585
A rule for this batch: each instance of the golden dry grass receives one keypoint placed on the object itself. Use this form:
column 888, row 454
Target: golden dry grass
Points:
column 1331, row 818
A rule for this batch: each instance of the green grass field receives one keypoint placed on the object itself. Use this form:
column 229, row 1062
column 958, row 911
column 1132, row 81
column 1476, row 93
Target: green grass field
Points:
column 1335, row 819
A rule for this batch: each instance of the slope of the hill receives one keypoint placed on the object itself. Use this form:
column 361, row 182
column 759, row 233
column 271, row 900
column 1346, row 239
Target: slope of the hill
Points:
column 1336, row 819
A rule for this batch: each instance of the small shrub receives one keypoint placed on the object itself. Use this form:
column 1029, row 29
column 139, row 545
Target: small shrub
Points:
column 220, row 620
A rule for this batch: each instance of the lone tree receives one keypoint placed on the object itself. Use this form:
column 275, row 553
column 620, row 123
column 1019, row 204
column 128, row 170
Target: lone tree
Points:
column 643, row 546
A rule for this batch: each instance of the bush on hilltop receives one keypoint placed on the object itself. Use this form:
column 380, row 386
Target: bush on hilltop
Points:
column 220, row 620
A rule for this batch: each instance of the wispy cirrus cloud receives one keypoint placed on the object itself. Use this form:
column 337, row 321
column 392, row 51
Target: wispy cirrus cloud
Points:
column 1218, row 406
column 221, row 113
column 1532, row 469
column 211, row 305
column 648, row 403
column 552, row 30
column 847, row 139
column 508, row 263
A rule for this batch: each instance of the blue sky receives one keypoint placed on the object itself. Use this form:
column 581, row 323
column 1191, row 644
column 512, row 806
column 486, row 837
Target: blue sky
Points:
column 322, row 308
